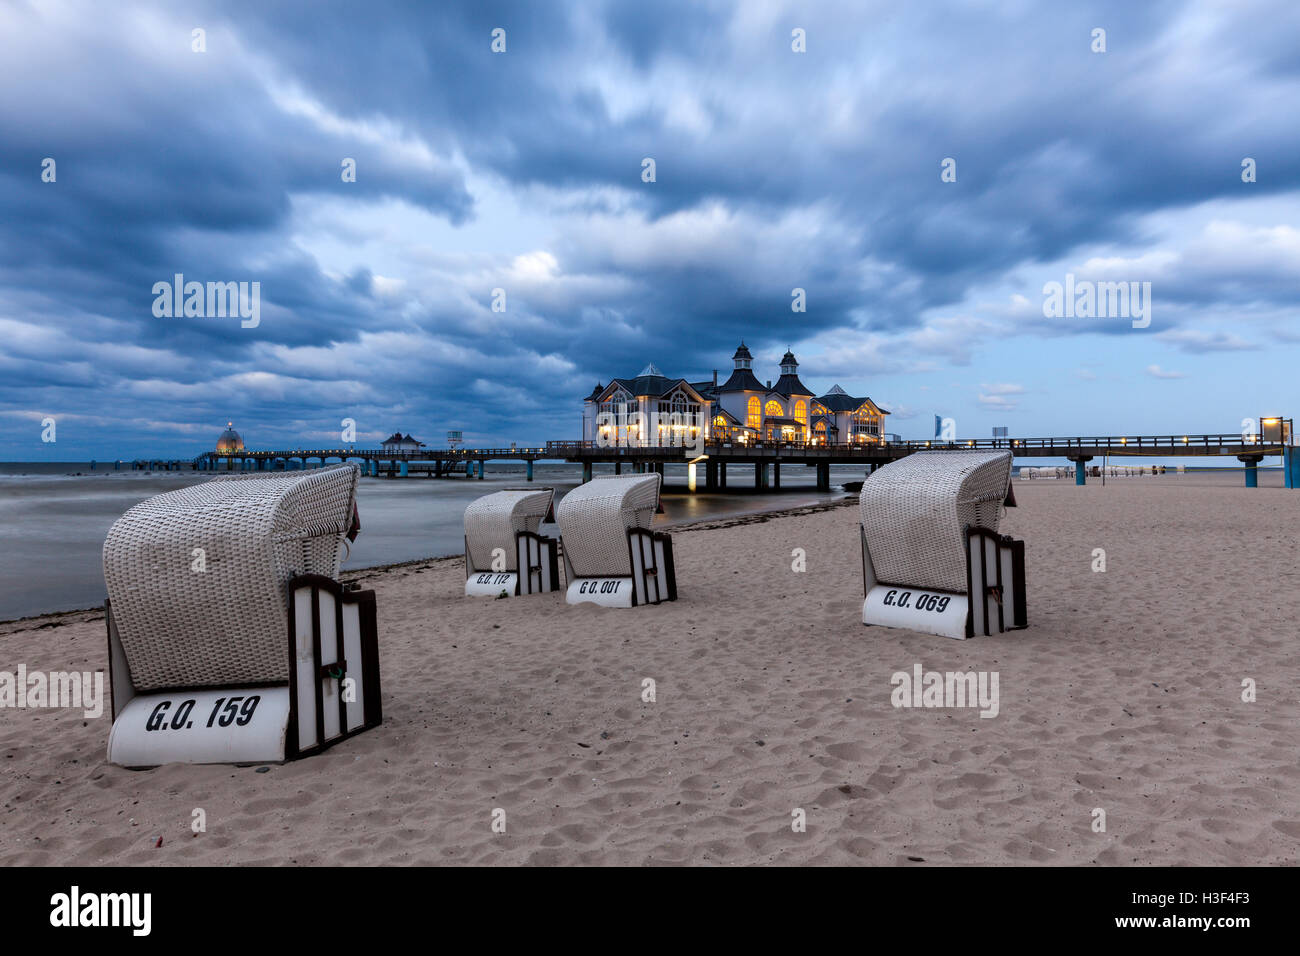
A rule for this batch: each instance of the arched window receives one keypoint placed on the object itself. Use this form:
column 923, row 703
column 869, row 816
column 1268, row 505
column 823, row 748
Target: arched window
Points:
column 752, row 418
column 720, row 422
column 773, row 410
column 801, row 412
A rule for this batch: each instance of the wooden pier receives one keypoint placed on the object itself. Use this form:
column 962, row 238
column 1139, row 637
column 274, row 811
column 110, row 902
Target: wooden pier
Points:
column 768, row 457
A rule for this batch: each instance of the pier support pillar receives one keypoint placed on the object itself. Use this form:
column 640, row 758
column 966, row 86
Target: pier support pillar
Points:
column 1252, row 469
column 481, row 465
column 403, row 469
column 1291, row 466
column 618, row 468
column 760, row 475
column 1080, row 469
column 586, row 472
column 528, row 468
column 823, row 476
column 722, row 474
column 710, row 476
column 776, row 474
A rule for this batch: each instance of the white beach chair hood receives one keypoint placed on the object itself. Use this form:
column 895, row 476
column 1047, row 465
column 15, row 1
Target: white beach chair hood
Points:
column 198, row 577
column 594, row 519
column 915, row 512
column 492, row 522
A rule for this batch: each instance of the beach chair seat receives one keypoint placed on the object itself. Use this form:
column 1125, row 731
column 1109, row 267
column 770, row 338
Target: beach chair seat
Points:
column 932, row 557
column 611, row 556
column 230, row 638
column 504, row 553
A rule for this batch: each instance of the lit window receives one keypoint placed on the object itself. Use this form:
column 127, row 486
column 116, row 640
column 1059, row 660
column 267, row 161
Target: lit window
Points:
column 773, row 409
column 752, row 418
column 801, row 412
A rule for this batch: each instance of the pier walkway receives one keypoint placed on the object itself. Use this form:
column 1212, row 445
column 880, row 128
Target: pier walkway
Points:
column 766, row 458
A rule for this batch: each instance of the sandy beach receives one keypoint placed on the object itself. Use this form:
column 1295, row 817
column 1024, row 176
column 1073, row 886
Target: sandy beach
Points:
column 1124, row 694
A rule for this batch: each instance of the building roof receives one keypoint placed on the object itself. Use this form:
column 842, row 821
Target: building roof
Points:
column 742, row 380
column 836, row 400
column 651, row 385
column 788, row 385
column 841, row 402
column 648, row 384
column 595, row 393
column 742, row 353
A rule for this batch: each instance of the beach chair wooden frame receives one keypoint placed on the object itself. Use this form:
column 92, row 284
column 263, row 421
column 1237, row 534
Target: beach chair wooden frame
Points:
column 508, row 521
column 257, row 657
column 932, row 557
column 611, row 556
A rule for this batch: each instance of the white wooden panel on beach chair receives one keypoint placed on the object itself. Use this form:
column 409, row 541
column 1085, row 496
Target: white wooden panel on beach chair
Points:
column 607, row 592
column 304, row 659
column 651, row 567
column 535, row 558
column 352, row 654
column 229, row 725
column 492, row 584
column 931, row 612
column 309, row 674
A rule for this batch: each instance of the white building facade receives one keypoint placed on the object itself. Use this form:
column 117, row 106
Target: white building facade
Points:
column 654, row 409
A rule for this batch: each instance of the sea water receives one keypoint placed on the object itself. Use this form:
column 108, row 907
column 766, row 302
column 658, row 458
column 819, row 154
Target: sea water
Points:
column 54, row 516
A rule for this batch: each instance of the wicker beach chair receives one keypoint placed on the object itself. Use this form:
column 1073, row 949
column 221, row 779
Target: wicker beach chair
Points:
column 232, row 584
column 929, row 529
column 504, row 554
column 610, row 554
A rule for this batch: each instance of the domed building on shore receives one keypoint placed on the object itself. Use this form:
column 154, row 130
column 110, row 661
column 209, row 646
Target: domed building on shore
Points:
column 229, row 440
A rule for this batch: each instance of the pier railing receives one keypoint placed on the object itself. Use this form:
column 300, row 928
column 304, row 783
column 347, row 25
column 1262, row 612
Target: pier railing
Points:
column 1118, row 444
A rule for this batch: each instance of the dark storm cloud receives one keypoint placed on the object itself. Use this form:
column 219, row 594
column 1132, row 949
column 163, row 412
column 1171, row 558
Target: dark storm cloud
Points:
column 774, row 170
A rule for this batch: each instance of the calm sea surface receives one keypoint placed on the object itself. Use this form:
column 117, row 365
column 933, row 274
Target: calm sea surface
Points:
column 54, row 517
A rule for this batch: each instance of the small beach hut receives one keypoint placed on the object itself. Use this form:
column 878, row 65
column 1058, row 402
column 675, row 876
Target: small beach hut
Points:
column 610, row 554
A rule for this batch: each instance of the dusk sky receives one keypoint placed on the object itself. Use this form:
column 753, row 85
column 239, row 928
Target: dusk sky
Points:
column 522, row 171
